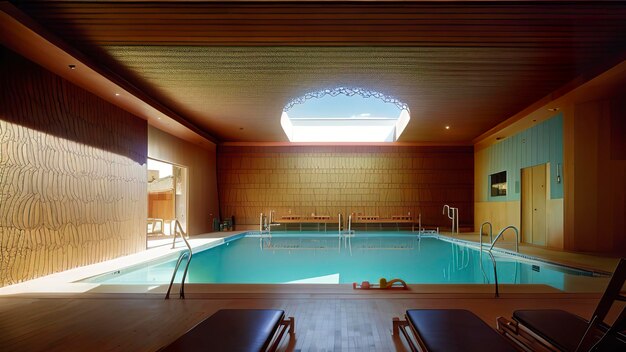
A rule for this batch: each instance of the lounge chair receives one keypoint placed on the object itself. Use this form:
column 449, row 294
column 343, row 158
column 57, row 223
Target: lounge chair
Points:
column 236, row 330
column 558, row 330
column 449, row 330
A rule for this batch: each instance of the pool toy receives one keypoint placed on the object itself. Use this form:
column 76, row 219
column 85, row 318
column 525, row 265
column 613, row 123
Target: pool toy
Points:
column 383, row 284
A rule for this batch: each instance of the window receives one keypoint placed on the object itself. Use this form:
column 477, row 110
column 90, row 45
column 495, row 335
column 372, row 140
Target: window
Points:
column 498, row 184
column 344, row 114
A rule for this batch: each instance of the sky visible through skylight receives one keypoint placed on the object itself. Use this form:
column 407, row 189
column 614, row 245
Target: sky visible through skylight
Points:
column 343, row 106
column 344, row 115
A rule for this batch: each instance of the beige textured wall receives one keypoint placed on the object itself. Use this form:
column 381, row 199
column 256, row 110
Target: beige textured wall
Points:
column 201, row 164
column 72, row 171
column 329, row 180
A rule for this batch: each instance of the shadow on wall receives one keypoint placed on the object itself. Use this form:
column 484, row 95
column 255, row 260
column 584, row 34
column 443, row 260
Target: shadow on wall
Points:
column 73, row 170
column 39, row 100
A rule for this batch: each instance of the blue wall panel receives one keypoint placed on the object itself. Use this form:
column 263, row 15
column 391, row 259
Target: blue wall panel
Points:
column 537, row 145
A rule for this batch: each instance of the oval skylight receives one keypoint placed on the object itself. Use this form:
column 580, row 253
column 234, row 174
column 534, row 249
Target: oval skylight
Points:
column 344, row 115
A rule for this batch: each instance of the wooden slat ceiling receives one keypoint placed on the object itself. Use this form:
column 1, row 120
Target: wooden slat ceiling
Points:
column 231, row 67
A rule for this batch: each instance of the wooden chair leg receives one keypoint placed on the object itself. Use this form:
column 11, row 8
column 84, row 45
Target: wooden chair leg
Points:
column 395, row 330
column 288, row 325
column 292, row 326
column 400, row 326
column 521, row 337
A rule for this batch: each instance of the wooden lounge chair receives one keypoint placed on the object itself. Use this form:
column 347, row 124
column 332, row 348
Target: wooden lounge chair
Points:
column 231, row 330
column 449, row 330
column 558, row 330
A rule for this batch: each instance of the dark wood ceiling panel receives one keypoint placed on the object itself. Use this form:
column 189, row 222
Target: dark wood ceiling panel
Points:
column 227, row 66
column 406, row 23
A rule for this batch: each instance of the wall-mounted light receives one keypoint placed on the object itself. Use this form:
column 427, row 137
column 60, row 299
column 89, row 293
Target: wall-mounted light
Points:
column 558, row 173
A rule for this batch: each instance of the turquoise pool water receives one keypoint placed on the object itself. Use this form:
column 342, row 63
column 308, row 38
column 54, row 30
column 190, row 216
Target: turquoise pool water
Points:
column 325, row 259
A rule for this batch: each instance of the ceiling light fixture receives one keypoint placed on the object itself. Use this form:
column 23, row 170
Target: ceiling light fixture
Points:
column 447, row 127
column 72, row 67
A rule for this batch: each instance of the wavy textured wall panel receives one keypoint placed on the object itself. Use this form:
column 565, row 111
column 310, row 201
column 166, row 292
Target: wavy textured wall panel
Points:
column 73, row 175
column 327, row 180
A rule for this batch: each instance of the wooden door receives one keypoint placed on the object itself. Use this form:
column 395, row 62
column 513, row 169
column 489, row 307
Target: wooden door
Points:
column 527, row 206
column 534, row 199
column 539, row 205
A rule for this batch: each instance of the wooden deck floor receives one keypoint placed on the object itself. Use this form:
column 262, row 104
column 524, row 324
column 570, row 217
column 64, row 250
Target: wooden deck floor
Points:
column 146, row 322
column 328, row 317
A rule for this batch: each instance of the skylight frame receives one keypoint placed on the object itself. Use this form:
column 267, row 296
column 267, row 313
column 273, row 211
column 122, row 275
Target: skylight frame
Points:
column 356, row 128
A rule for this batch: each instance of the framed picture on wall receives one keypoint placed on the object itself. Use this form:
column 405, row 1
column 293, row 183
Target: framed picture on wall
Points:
column 498, row 184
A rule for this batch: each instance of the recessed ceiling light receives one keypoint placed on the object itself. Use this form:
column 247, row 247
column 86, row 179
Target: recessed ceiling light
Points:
column 72, row 67
column 447, row 127
column 554, row 109
column 117, row 94
column 158, row 118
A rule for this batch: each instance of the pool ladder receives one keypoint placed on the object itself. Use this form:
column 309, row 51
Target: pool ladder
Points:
column 453, row 214
column 178, row 229
column 492, row 243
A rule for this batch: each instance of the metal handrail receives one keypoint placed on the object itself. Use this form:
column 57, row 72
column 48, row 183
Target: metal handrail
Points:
column 493, row 242
column 480, row 232
column 419, row 226
column 454, row 217
column 350, row 224
column 500, row 234
column 178, row 227
column 495, row 272
column 448, row 214
column 348, row 236
column 339, row 224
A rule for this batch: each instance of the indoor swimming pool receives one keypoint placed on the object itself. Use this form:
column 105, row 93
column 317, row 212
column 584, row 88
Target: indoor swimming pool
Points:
column 324, row 258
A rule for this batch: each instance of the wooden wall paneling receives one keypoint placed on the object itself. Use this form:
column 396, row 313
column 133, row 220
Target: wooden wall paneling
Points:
column 202, row 202
column 73, row 171
column 612, row 172
column 500, row 214
column 617, row 126
column 382, row 181
column 569, row 180
column 555, row 224
column 540, row 144
column 586, row 134
column 593, row 208
column 599, row 208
